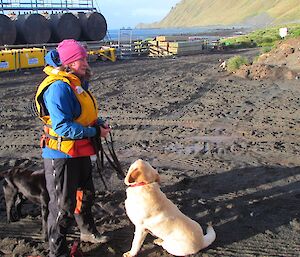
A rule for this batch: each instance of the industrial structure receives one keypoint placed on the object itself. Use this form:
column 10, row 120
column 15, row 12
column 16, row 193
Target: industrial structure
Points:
column 47, row 5
column 30, row 28
column 49, row 21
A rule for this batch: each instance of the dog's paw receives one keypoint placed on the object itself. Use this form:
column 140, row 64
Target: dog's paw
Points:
column 127, row 254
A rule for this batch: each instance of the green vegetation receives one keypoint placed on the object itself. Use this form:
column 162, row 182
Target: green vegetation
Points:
column 266, row 49
column 197, row 13
column 255, row 59
column 266, row 38
column 234, row 63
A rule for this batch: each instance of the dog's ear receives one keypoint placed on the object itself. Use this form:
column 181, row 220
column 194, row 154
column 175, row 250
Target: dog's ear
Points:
column 132, row 176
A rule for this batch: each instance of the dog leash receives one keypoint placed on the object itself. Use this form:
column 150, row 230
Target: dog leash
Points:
column 114, row 162
column 96, row 141
column 112, row 159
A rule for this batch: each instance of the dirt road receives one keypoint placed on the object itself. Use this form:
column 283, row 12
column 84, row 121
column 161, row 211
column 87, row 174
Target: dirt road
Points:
column 227, row 150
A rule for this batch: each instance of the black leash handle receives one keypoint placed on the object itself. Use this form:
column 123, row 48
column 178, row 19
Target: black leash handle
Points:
column 113, row 160
column 117, row 166
column 99, row 162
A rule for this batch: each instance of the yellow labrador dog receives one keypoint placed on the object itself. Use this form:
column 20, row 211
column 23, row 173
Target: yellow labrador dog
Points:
column 152, row 212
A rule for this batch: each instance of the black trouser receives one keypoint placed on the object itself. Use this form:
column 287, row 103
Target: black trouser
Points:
column 64, row 177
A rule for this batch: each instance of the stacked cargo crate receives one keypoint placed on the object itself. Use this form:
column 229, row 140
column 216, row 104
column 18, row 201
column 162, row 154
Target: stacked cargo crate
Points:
column 8, row 60
column 176, row 45
column 16, row 59
column 31, row 58
column 141, row 47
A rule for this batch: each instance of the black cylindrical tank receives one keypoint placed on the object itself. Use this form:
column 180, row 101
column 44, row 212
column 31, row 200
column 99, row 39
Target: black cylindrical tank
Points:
column 32, row 29
column 93, row 26
column 8, row 31
column 64, row 26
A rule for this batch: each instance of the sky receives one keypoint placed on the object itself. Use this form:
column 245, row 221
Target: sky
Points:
column 128, row 13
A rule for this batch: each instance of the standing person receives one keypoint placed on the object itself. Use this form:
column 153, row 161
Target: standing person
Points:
column 70, row 116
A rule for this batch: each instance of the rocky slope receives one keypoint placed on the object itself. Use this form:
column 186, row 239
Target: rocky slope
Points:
column 282, row 62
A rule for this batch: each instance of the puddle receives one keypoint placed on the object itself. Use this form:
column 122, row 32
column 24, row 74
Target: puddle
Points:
column 213, row 139
column 201, row 144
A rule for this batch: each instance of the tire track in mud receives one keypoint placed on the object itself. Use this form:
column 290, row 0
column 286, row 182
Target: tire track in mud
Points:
column 183, row 166
column 243, row 129
column 230, row 142
column 133, row 119
column 241, row 212
column 255, row 248
column 197, row 94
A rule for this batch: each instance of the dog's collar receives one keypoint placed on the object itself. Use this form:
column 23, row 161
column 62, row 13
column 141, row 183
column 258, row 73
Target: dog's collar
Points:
column 138, row 184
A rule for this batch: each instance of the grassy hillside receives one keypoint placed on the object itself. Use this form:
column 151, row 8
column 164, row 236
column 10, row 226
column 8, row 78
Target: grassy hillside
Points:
column 193, row 13
column 263, row 37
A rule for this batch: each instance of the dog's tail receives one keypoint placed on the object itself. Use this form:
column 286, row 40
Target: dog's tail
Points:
column 209, row 237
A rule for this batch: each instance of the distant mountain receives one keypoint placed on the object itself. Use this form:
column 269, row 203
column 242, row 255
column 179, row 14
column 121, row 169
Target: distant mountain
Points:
column 255, row 13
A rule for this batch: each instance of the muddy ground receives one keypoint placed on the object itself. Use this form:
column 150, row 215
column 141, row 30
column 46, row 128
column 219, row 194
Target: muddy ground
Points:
column 227, row 149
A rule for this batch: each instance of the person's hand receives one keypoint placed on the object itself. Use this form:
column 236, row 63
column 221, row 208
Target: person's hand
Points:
column 104, row 130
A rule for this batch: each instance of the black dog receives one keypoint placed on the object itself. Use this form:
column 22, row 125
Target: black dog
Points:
column 20, row 184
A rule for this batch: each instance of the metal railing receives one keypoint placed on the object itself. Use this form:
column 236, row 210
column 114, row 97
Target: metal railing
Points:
column 46, row 5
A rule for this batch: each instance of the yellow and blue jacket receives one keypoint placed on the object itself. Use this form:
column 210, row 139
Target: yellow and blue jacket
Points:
column 68, row 111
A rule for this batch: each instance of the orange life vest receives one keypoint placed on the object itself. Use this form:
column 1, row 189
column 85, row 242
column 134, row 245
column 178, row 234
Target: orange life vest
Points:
column 88, row 116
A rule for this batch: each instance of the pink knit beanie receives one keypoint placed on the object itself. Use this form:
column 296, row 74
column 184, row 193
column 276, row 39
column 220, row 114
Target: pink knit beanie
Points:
column 70, row 50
